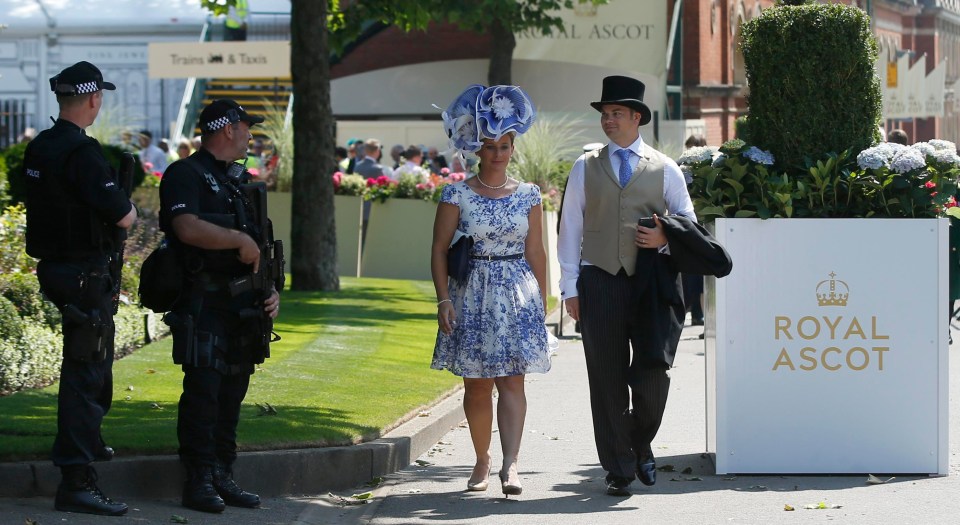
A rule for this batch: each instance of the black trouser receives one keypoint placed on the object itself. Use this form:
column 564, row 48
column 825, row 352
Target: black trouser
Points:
column 208, row 415
column 622, row 435
column 692, row 290
column 86, row 380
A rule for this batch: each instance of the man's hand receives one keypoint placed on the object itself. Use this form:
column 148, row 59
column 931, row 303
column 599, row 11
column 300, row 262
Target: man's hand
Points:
column 249, row 252
column 573, row 307
column 650, row 237
column 272, row 304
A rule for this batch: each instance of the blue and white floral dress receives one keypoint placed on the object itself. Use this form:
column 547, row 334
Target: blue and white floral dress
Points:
column 500, row 330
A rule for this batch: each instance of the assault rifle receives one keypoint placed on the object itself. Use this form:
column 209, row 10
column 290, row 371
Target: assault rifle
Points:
column 125, row 179
column 270, row 274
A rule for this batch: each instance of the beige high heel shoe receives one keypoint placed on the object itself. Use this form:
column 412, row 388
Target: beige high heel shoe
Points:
column 479, row 486
column 510, row 489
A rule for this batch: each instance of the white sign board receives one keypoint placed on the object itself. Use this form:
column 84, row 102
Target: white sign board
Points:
column 831, row 351
column 257, row 59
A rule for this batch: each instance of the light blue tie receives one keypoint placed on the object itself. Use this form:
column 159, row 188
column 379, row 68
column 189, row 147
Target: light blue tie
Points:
column 625, row 170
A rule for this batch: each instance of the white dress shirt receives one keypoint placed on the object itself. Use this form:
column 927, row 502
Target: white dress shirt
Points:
column 574, row 203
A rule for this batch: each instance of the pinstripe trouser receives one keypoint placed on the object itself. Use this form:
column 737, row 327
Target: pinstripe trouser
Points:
column 622, row 435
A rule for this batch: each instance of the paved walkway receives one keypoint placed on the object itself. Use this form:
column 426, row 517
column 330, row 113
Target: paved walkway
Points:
column 563, row 483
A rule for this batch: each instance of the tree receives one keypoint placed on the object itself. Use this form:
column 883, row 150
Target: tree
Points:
column 319, row 28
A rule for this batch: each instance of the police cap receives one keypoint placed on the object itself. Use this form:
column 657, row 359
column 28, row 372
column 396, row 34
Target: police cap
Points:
column 222, row 112
column 79, row 79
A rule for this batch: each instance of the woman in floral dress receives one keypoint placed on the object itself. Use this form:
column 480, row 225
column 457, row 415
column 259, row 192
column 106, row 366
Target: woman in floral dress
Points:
column 491, row 325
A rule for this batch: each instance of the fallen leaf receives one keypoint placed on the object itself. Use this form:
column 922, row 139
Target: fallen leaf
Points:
column 176, row 518
column 375, row 482
column 667, row 468
column 788, row 508
column 362, row 495
column 127, row 398
column 151, row 371
column 156, row 406
column 31, row 522
column 414, row 491
column 423, row 463
column 873, row 480
column 731, row 478
column 554, row 438
column 695, row 478
column 688, row 470
column 266, row 409
column 757, row 487
column 129, row 388
column 424, row 414
column 444, row 443
column 343, row 502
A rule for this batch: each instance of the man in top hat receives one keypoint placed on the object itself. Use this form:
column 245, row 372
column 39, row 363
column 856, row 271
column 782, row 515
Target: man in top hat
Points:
column 74, row 208
column 217, row 335
column 608, row 190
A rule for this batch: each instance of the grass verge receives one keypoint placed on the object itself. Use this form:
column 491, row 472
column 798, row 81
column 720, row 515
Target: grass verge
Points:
column 350, row 365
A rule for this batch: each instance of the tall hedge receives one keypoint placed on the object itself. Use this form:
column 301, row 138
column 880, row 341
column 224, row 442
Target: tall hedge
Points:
column 813, row 89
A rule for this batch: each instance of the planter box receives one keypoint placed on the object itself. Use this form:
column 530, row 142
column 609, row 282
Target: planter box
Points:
column 398, row 240
column 827, row 347
column 348, row 213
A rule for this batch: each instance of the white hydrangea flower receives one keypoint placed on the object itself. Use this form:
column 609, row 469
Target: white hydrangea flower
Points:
column 946, row 156
column 924, row 148
column 890, row 149
column 695, row 155
column 907, row 160
column 940, row 144
column 872, row 158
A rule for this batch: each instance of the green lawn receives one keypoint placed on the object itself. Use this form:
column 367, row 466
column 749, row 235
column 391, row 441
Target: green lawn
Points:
column 350, row 364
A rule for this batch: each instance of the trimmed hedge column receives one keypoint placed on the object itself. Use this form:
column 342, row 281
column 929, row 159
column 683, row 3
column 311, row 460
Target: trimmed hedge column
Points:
column 813, row 89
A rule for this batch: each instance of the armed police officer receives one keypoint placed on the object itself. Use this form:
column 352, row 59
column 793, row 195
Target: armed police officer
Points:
column 220, row 331
column 77, row 215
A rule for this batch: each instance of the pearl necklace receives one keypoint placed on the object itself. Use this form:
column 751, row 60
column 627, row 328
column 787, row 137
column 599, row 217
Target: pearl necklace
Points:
column 485, row 185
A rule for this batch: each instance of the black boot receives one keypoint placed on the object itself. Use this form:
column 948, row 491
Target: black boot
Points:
column 228, row 490
column 78, row 492
column 198, row 491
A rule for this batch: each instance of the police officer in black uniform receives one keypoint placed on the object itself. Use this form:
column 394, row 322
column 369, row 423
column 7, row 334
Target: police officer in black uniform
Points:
column 215, row 338
column 74, row 208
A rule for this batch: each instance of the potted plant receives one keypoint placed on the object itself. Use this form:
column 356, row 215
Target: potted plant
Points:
column 811, row 350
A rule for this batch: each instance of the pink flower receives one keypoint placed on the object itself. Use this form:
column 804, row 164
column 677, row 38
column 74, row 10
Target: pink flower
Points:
column 929, row 184
column 444, row 171
column 383, row 180
column 147, row 166
column 553, row 192
column 371, row 182
column 419, row 186
column 337, row 177
column 951, row 202
column 254, row 172
column 158, row 174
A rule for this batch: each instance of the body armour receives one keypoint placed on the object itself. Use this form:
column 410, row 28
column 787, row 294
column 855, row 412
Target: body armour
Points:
column 59, row 225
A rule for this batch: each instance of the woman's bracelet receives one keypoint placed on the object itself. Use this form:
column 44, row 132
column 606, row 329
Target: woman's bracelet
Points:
column 444, row 301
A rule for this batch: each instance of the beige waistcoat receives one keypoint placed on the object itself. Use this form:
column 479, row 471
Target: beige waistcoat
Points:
column 611, row 212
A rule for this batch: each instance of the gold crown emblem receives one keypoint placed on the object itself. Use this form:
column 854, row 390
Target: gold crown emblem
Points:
column 830, row 294
column 585, row 9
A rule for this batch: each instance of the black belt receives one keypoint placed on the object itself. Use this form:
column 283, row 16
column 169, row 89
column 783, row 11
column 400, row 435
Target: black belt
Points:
column 512, row 256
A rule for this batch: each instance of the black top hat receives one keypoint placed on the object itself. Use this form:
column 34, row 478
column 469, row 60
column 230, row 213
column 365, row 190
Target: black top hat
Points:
column 222, row 112
column 79, row 79
column 624, row 91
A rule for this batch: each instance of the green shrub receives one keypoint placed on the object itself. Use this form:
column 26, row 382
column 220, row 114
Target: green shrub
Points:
column 13, row 255
column 23, row 290
column 16, row 184
column 30, row 361
column 813, row 89
column 10, row 325
column 4, row 189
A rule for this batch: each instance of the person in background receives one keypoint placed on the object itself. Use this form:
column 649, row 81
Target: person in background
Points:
column 412, row 157
column 491, row 330
column 75, row 206
column 693, row 284
column 367, row 165
column 149, row 153
column 898, row 136
column 183, row 149
column 396, row 152
column 435, row 162
column 598, row 248
column 354, row 153
column 235, row 24
column 340, row 153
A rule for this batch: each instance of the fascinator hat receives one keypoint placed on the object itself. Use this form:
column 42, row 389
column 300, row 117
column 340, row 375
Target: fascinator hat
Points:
column 486, row 113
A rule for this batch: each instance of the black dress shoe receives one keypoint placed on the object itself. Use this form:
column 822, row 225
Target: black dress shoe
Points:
column 647, row 471
column 618, row 486
column 104, row 454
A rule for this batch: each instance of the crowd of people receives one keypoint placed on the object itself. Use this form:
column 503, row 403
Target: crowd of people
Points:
column 365, row 158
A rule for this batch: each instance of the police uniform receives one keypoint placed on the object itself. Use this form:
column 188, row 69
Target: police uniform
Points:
column 216, row 336
column 74, row 203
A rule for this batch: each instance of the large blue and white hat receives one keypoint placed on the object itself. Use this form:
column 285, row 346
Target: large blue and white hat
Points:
column 486, row 113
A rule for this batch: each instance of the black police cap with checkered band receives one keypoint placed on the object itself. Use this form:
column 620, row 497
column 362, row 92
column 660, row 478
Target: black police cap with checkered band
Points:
column 222, row 112
column 79, row 79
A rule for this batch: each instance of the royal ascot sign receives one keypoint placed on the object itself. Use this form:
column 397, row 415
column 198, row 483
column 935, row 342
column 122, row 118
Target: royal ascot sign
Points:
column 256, row 59
column 828, row 351
column 625, row 36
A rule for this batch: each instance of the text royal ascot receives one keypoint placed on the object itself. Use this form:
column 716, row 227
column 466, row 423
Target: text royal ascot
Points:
column 831, row 358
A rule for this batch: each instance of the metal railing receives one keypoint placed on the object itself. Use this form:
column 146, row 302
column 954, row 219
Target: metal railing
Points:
column 192, row 98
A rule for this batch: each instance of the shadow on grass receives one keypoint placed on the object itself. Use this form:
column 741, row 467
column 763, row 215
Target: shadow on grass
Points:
column 368, row 306
column 142, row 427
